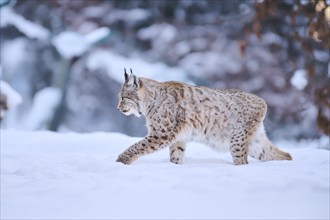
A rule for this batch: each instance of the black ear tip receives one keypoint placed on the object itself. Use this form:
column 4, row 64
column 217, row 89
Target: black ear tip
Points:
column 126, row 75
column 131, row 70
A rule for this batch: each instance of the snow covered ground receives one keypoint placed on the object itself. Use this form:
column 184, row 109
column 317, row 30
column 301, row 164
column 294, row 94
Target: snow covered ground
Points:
column 48, row 175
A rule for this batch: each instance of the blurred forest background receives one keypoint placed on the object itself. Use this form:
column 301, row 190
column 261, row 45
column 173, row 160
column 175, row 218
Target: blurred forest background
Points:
column 66, row 58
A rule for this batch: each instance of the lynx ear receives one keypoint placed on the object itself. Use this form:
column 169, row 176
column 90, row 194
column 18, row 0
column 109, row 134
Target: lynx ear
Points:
column 136, row 81
column 126, row 75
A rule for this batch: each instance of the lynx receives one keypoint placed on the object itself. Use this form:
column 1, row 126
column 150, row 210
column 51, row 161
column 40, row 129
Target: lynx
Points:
column 177, row 113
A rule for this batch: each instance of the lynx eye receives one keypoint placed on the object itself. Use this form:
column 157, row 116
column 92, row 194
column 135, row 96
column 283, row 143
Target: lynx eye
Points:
column 127, row 98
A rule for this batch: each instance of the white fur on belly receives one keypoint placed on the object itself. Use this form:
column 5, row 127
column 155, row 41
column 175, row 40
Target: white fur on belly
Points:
column 217, row 143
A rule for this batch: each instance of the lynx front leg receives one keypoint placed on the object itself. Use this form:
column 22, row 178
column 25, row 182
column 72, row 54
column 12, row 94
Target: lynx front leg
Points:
column 148, row 145
column 177, row 152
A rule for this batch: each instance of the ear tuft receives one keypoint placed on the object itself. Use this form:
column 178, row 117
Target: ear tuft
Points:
column 136, row 81
column 126, row 75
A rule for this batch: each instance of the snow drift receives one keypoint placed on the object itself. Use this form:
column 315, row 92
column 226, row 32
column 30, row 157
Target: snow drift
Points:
column 48, row 175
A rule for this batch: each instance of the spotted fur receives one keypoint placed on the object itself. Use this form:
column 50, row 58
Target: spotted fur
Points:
column 177, row 113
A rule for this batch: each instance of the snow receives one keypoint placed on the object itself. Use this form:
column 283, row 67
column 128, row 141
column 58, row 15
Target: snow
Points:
column 130, row 16
column 115, row 64
column 299, row 79
column 44, row 105
column 160, row 32
column 70, row 44
column 135, row 14
column 97, row 35
column 30, row 29
column 47, row 175
column 17, row 52
column 321, row 55
column 95, row 11
column 209, row 63
column 272, row 38
column 182, row 48
column 12, row 96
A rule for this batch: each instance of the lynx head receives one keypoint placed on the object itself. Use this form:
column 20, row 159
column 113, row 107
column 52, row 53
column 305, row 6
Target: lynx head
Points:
column 129, row 101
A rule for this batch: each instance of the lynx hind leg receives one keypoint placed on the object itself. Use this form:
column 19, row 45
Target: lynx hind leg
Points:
column 239, row 148
column 177, row 152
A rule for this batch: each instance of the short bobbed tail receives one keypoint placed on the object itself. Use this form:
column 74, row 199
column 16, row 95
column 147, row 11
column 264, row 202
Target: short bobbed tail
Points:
column 262, row 149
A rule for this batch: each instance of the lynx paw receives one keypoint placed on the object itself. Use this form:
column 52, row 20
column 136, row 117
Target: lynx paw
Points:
column 124, row 159
column 176, row 160
column 240, row 162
